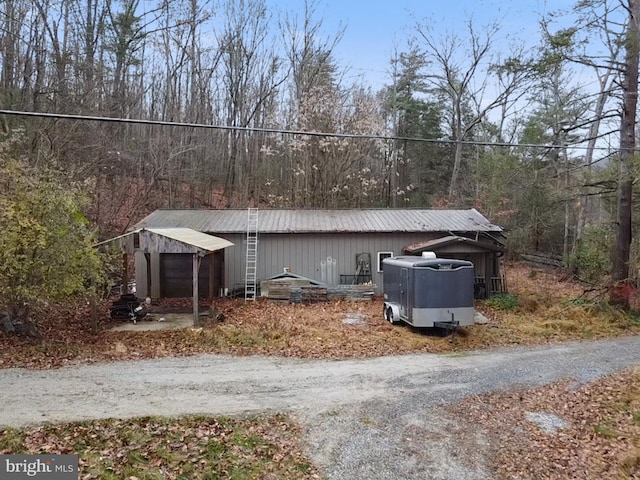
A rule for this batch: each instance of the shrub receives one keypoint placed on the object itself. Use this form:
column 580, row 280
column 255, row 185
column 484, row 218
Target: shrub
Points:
column 591, row 260
column 46, row 244
column 502, row 301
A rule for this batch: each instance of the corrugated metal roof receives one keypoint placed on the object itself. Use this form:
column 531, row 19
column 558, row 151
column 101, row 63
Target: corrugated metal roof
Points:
column 198, row 240
column 194, row 238
column 317, row 221
column 448, row 240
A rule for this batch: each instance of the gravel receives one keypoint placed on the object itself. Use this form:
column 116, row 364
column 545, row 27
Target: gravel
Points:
column 381, row 418
column 548, row 422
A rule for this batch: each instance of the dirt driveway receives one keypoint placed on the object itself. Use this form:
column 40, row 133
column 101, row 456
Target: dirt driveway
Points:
column 371, row 418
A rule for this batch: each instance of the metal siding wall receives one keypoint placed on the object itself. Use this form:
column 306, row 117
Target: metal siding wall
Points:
column 141, row 275
column 234, row 260
column 303, row 253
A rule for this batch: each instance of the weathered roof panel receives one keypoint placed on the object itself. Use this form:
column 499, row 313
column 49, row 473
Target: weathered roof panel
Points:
column 437, row 243
column 166, row 240
column 317, row 221
column 188, row 236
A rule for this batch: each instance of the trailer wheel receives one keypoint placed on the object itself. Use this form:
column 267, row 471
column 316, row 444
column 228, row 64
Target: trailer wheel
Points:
column 388, row 315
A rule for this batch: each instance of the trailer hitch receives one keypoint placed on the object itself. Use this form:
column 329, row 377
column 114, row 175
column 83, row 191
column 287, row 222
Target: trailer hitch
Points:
column 449, row 327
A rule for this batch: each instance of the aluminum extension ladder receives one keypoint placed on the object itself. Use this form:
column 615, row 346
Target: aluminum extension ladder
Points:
column 251, row 259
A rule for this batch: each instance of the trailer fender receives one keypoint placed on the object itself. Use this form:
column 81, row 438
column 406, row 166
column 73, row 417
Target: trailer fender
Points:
column 391, row 313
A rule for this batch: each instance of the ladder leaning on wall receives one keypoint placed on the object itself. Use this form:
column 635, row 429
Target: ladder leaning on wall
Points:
column 251, row 259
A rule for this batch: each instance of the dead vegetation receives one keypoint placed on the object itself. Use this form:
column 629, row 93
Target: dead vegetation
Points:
column 564, row 430
column 599, row 436
column 543, row 307
column 194, row 447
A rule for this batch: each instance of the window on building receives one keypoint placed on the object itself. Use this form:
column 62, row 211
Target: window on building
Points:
column 381, row 257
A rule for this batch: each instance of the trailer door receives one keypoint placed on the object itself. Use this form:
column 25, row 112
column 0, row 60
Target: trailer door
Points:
column 404, row 293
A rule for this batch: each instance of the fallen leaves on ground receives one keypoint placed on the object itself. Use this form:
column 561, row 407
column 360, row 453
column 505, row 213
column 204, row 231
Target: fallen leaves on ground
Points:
column 598, row 436
column 194, row 447
column 338, row 329
column 601, row 438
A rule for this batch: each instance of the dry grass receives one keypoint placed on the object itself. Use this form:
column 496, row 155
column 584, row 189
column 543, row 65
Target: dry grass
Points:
column 194, row 447
column 543, row 309
column 546, row 284
column 551, row 308
column 566, row 321
column 602, row 439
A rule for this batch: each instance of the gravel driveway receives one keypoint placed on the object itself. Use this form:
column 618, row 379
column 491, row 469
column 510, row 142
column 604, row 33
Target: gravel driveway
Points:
column 370, row 418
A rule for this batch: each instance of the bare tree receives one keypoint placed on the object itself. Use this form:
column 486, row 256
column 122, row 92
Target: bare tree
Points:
column 251, row 77
column 461, row 73
column 594, row 44
column 8, row 49
column 325, row 171
column 309, row 55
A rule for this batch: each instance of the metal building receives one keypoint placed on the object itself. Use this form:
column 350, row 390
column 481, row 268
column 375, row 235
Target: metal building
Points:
column 330, row 246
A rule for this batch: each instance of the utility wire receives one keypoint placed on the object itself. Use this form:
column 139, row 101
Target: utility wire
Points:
column 91, row 118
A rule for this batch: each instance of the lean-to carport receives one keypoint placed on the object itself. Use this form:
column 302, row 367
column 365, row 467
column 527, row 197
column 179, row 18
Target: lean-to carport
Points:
column 168, row 240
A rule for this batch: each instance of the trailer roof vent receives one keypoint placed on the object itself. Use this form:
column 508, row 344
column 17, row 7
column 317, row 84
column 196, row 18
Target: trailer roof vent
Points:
column 428, row 255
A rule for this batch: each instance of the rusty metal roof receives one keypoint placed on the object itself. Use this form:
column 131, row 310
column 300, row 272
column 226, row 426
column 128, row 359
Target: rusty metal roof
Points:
column 323, row 221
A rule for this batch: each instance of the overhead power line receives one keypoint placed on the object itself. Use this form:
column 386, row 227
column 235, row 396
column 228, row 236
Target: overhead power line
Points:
column 91, row 118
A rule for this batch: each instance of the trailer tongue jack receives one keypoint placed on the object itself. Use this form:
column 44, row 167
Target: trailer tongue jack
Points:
column 448, row 327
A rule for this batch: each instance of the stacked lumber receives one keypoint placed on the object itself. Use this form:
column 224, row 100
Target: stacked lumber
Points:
column 280, row 289
column 279, row 292
column 310, row 294
column 316, row 294
column 351, row 292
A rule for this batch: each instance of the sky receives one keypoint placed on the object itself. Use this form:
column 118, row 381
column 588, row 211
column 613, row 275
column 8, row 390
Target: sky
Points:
column 373, row 27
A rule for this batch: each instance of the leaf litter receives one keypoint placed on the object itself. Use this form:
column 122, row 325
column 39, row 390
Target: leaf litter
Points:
column 558, row 431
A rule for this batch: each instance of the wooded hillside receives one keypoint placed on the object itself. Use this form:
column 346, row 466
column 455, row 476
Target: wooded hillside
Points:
column 528, row 135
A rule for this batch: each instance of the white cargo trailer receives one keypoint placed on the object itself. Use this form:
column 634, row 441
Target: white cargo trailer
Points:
column 428, row 292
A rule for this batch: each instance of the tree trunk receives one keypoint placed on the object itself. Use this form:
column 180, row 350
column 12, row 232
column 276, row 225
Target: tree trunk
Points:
column 593, row 135
column 619, row 293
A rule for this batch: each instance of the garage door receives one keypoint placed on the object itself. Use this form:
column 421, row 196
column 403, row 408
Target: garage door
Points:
column 176, row 275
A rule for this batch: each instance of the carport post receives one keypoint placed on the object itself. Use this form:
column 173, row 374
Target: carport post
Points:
column 147, row 261
column 212, row 287
column 125, row 272
column 196, row 307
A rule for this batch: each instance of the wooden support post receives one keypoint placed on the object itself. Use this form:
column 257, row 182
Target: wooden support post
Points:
column 488, row 272
column 125, row 273
column 196, row 306
column 223, row 273
column 147, row 260
column 94, row 308
column 212, row 286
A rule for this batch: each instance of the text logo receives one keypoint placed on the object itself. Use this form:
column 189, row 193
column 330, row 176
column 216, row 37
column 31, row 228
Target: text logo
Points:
column 49, row 467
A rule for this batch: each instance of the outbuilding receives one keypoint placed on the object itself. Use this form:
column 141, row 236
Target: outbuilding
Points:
column 190, row 245
column 329, row 246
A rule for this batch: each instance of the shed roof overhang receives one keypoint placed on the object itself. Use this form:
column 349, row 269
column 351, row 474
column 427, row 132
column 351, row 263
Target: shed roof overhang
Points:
column 166, row 240
column 438, row 243
column 169, row 240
